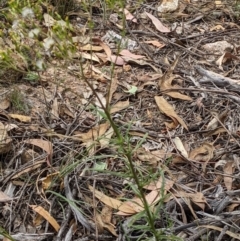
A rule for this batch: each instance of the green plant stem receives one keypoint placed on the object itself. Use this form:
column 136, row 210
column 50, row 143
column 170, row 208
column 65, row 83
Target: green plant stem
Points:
column 129, row 158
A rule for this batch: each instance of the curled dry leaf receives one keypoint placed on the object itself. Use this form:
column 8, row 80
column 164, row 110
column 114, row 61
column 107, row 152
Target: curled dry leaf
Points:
column 21, row 118
column 142, row 63
column 159, row 189
column 157, row 23
column 44, row 145
column 179, row 145
column 162, row 182
column 40, row 210
column 91, row 56
column 165, row 83
column 127, row 53
column 129, row 16
column 90, row 47
column 4, row 197
column 47, row 181
column 121, row 105
column 28, row 155
column 54, row 110
column 228, row 169
column 5, row 140
column 153, row 157
column 116, row 60
column 168, row 110
column 155, row 43
column 112, row 202
column 104, row 141
column 229, row 233
column 198, row 198
column 215, row 132
column 203, row 153
column 94, row 133
column 217, row 27
column 106, row 217
column 4, row 104
column 106, row 49
column 112, row 89
column 215, row 122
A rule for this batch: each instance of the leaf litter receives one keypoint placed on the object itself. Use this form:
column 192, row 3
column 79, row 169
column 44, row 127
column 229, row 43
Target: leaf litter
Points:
column 173, row 94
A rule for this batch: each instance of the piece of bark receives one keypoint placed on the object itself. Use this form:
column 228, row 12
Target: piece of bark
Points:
column 217, row 79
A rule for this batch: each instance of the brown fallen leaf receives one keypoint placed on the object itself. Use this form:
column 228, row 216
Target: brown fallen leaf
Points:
column 47, row 181
column 54, row 110
column 129, row 16
column 90, row 47
column 84, row 55
column 202, row 154
column 229, row 233
column 159, row 184
column 197, row 197
column 165, row 83
column 228, row 169
column 4, row 104
column 141, row 62
column 116, row 60
column 106, row 217
column 4, row 197
column 93, row 134
column 29, row 155
column 105, row 47
column 179, row 145
column 217, row 27
column 159, row 189
column 112, row 89
column 98, row 71
column 232, row 206
column 22, row 118
column 155, row 43
column 111, row 202
column 121, row 105
column 168, row 110
column 40, row 210
column 104, row 141
column 215, row 132
column 153, row 157
column 127, row 53
column 157, row 23
column 5, row 140
column 217, row 119
column 43, row 144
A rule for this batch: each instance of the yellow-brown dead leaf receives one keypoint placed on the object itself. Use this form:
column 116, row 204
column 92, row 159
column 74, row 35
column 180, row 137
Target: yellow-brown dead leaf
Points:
column 45, row 214
column 43, row 144
column 22, row 118
column 228, row 178
column 168, row 110
column 112, row 202
column 95, row 133
column 121, row 105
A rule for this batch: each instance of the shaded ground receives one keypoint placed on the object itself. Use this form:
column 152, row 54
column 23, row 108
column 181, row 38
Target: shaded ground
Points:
column 60, row 156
